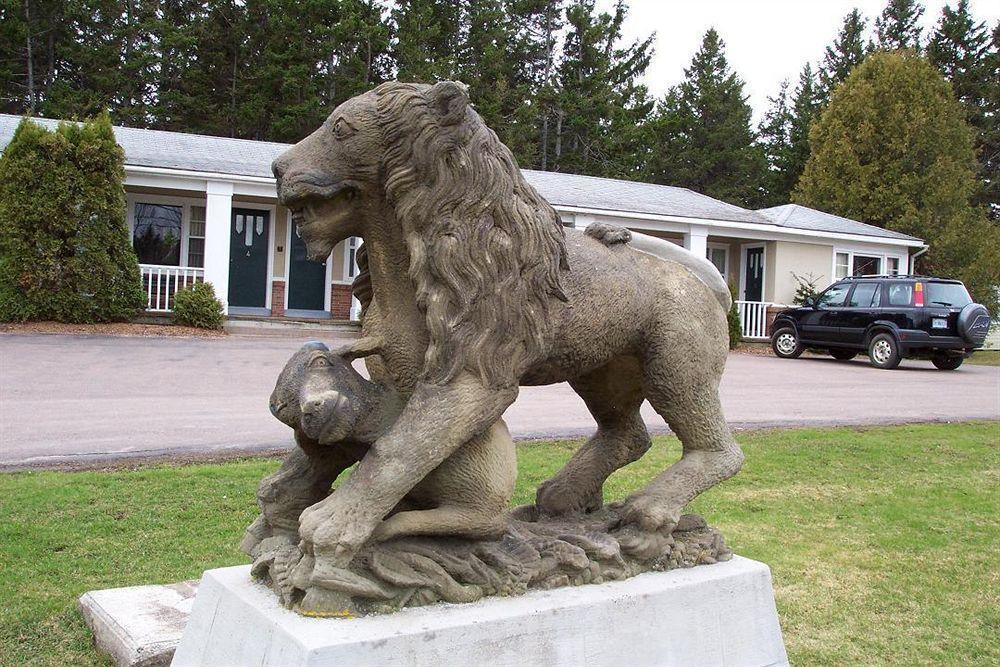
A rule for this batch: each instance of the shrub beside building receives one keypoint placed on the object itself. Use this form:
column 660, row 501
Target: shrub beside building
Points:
column 65, row 252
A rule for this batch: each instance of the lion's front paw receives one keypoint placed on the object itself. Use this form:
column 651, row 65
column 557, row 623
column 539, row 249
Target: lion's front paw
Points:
column 648, row 512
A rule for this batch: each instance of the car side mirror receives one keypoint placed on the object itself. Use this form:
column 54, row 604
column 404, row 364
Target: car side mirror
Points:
column 810, row 302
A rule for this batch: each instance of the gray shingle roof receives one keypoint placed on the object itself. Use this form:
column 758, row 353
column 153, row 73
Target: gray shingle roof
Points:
column 634, row 197
column 175, row 150
column 222, row 155
column 803, row 217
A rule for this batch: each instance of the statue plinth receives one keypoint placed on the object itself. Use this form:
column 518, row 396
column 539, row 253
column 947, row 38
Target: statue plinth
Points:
column 711, row 614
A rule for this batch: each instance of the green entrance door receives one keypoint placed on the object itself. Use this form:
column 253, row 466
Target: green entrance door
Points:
column 248, row 244
column 306, row 280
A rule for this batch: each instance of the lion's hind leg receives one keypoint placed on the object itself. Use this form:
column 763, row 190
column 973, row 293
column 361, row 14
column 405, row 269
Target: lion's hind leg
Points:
column 448, row 520
column 613, row 394
column 681, row 380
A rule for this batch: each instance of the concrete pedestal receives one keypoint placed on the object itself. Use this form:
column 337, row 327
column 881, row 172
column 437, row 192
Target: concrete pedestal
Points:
column 721, row 614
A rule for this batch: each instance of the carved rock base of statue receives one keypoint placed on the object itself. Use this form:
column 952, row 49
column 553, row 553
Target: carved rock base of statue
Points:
column 721, row 614
column 535, row 553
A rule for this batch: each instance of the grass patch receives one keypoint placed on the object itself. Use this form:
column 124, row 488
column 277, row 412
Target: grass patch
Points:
column 882, row 541
column 984, row 358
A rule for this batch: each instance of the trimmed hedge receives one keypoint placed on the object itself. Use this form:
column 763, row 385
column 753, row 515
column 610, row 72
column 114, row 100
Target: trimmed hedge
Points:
column 733, row 319
column 65, row 251
column 196, row 306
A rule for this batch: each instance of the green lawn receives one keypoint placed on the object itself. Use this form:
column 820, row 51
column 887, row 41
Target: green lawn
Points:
column 882, row 541
column 985, row 358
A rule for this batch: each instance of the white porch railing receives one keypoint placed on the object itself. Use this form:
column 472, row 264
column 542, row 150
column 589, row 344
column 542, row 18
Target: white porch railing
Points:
column 162, row 282
column 753, row 315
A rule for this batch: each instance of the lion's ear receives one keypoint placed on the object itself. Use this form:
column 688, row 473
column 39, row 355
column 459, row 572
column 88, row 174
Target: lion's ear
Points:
column 450, row 100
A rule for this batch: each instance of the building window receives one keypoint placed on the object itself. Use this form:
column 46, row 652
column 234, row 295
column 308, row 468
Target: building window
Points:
column 865, row 265
column 157, row 234
column 196, row 237
column 351, row 258
column 842, row 265
column 892, row 266
column 719, row 256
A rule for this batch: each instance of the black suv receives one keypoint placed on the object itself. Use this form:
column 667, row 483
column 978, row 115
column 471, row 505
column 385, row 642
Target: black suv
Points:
column 889, row 317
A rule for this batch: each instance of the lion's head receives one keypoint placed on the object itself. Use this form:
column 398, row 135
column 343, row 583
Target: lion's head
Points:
column 486, row 251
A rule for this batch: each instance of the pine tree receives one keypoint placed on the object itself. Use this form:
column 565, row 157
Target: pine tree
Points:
column 773, row 134
column 962, row 51
column 428, row 33
column 893, row 149
column 805, row 107
column 65, row 252
column 846, row 53
column 537, row 27
column 898, row 27
column 702, row 138
column 600, row 104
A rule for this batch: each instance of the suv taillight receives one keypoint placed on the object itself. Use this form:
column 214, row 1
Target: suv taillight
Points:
column 918, row 295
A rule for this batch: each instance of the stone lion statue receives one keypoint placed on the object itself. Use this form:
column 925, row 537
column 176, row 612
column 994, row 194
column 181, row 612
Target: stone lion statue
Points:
column 473, row 288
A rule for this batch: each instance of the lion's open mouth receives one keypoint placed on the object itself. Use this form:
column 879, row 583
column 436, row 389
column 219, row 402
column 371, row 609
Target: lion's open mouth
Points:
column 321, row 215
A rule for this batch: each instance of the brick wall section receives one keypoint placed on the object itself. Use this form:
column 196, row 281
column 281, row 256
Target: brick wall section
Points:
column 278, row 298
column 340, row 302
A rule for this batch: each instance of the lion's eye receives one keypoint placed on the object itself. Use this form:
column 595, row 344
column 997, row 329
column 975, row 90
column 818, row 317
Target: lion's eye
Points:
column 319, row 362
column 342, row 129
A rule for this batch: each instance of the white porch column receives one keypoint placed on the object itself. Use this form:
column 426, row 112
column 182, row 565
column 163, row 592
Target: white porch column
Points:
column 218, row 218
column 582, row 220
column 696, row 240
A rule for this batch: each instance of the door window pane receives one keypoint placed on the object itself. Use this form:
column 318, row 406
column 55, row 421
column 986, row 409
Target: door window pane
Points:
column 863, row 295
column 842, row 266
column 834, row 295
column 900, row 294
column 866, row 266
column 157, row 235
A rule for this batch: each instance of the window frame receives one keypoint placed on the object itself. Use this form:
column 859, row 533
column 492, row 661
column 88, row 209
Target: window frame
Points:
column 882, row 254
column 351, row 268
column 185, row 204
column 709, row 247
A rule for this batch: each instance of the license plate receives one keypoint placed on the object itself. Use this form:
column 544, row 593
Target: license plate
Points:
column 939, row 323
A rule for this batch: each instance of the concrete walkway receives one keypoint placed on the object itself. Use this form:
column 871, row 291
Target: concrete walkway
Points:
column 71, row 399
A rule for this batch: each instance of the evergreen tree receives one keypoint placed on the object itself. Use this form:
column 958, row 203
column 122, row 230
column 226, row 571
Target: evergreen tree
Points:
column 702, row 138
column 898, row 27
column 963, row 52
column 537, row 27
column 846, row 53
column 805, row 107
column 893, row 149
column 599, row 103
column 784, row 135
column 774, row 136
column 357, row 47
column 65, row 252
column 428, row 33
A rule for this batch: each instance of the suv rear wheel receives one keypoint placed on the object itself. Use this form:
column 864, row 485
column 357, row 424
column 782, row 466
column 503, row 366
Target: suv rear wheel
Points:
column 946, row 362
column 843, row 355
column 785, row 343
column 883, row 351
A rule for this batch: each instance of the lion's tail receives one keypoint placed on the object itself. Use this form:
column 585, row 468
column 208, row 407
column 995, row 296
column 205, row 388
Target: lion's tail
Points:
column 703, row 269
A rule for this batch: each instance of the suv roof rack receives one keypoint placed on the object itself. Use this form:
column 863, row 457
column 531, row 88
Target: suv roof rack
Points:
column 890, row 275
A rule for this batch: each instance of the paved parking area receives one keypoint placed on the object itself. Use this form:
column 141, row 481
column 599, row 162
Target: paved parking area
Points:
column 78, row 398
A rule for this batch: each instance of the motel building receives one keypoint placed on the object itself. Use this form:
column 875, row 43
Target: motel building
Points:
column 205, row 208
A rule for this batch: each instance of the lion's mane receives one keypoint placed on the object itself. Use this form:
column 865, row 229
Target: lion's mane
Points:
column 486, row 251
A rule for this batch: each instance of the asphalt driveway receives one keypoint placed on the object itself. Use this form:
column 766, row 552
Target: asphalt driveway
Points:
column 88, row 398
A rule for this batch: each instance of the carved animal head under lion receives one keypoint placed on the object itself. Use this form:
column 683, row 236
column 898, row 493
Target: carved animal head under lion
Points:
column 485, row 250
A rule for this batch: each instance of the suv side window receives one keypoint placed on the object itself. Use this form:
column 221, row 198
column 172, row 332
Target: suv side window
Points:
column 833, row 296
column 900, row 294
column 865, row 295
